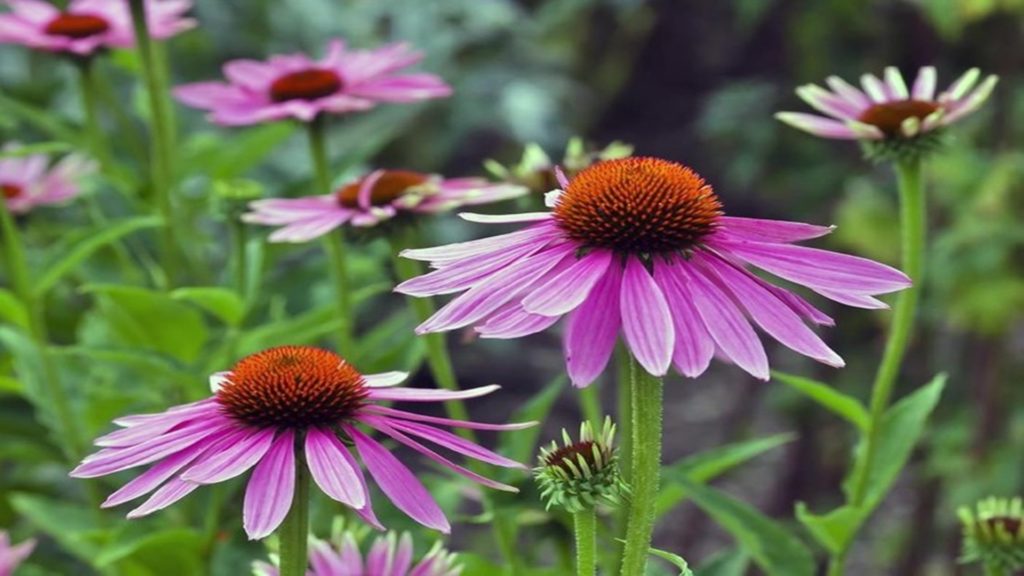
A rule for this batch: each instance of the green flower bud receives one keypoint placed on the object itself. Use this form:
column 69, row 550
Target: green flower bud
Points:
column 580, row 475
column 994, row 534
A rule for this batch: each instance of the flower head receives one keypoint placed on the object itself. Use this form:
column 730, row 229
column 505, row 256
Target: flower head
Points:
column 296, row 86
column 12, row 556
column 642, row 247
column 372, row 200
column 889, row 117
column 282, row 408
column 26, row 182
column 86, row 26
column 388, row 556
column 994, row 533
column 579, row 475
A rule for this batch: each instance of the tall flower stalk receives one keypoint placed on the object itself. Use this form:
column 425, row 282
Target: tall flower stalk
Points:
column 294, row 531
column 162, row 169
column 644, row 465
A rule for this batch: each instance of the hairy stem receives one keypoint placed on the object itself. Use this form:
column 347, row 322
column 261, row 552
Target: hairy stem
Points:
column 585, row 523
column 645, row 466
column 294, row 531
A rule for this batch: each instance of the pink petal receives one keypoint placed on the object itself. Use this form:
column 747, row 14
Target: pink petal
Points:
column 451, row 441
column 694, row 347
column 268, row 497
column 403, row 415
column 771, row 231
column 231, row 460
column 429, row 395
column 511, row 321
column 568, row 289
column 646, row 319
column 442, row 256
column 168, row 494
column 330, row 468
column 385, row 379
column 817, row 125
column 592, row 329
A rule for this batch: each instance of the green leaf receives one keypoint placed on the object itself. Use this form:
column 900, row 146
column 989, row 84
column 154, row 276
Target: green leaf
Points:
column 72, row 526
column 833, row 530
column 828, row 397
column 221, row 302
column 37, row 148
column 9, row 385
column 220, row 158
column 771, row 545
column 12, row 310
column 168, row 552
column 521, row 445
column 41, row 118
column 728, row 563
column 137, row 317
column 87, row 247
column 902, row 427
column 710, row 464
column 674, row 559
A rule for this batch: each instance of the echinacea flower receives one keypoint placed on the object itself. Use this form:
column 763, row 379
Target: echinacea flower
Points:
column 26, row 182
column 295, row 86
column 282, row 408
column 388, row 556
column 641, row 247
column 887, row 110
column 12, row 556
column 86, row 26
column 580, row 474
column 378, row 197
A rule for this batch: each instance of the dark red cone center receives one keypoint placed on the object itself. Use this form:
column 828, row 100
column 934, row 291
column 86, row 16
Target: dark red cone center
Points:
column 889, row 116
column 305, row 85
column 77, row 26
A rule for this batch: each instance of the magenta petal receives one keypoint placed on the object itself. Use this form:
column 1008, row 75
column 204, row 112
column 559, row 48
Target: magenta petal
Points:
column 428, row 394
column 268, row 497
column 592, row 329
column 231, row 460
column 726, row 324
column 774, row 231
column 568, row 289
column 452, row 442
column 855, row 300
column 398, row 483
column 511, row 321
column 110, row 460
column 403, row 415
column 694, row 346
column 467, row 273
column 442, row 256
column 646, row 319
column 168, row 494
column 331, row 470
column 155, row 476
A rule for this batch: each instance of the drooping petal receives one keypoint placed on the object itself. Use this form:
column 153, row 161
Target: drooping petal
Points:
column 385, row 379
column 511, row 321
column 441, row 255
column 157, row 474
column 694, row 347
column 646, row 319
column 772, row 231
column 330, row 469
column 174, row 490
column 817, row 125
column 398, row 483
column 403, row 415
column 451, row 442
column 592, row 329
column 568, row 289
column 231, row 460
column 429, row 394
column 268, row 497
column 112, row 460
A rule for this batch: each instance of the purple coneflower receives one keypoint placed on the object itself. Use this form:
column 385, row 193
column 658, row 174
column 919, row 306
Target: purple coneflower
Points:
column 86, row 26
column 295, row 86
column 282, row 408
column 27, row 183
column 641, row 247
column 388, row 556
column 12, row 556
column 375, row 198
column 887, row 108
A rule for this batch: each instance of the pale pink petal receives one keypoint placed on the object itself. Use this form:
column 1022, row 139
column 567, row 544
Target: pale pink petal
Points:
column 511, row 321
column 646, row 319
column 428, row 394
column 268, row 497
column 772, row 231
column 694, row 346
column 231, row 460
column 818, row 125
column 568, row 289
column 403, row 415
column 924, row 85
column 330, row 468
column 385, row 379
column 171, row 492
column 592, row 330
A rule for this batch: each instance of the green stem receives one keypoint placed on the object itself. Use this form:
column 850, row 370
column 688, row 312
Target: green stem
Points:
column 622, row 362
column 586, row 542
column 645, row 467
column 239, row 267
column 334, row 243
column 161, row 145
column 912, row 234
column 294, row 531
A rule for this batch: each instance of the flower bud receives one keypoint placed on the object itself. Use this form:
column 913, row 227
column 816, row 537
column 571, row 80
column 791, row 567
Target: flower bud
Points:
column 580, row 475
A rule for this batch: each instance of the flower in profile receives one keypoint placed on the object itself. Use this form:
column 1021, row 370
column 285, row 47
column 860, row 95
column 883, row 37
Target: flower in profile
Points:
column 27, row 182
column 887, row 114
column 279, row 409
column 12, row 556
column 993, row 534
column 86, row 26
column 580, row 474
column 640, row 246
column 295, row 86
column 388, row 556
column 371, row 200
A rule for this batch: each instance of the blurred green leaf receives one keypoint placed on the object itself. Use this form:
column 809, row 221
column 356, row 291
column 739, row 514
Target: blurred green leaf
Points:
column 772, row 546
column 42, row 119
column 833, row 530
column 728, row 563
column 521, row 446
column 224, row 156
column 150, row 320
column 71, row 525
column 36, row 148
column 673, row 559
column 82, row 250
column 221, row 302
column 710, row 464
column 12, row 310
column 9, row 385
column 828, row 397
column 165, row 553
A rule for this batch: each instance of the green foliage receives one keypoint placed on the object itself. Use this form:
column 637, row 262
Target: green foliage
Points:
column 827, row 397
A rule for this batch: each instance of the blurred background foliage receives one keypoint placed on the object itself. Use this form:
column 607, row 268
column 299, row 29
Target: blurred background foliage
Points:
column 695, row 81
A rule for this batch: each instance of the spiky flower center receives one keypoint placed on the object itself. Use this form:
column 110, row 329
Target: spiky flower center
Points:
column 1008, row 523
column 11, row 190
column 889, row 116
column 638, row 205
column 571, row 454
column 76, row 26
column 390, row 186
column 308, row 84
column 293, row 387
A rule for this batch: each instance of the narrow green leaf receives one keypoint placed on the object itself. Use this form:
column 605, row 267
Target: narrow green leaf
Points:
column 37, row 148
column 221, row 302
column 168, row 552
column 674, row 559
column 81, row 251
column 213, row 154
column 833, row 530
column 828, row 397
column 728, row 563
column 70, row 525
column 12, row 310
column 710, row 464
column 772, row 546
column 40, row 118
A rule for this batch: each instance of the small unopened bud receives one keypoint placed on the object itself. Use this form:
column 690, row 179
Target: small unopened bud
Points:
column 994, row 534
column 582, row 474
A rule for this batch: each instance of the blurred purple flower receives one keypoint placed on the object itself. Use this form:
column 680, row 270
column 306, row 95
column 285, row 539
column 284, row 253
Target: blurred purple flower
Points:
column 640, row 246
column 262, row 411
column 389, row 556
column 295, row 86
column 86, row 26
column 887, row 108
column 373, row 199
column 26, row 182
column 12, row 556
